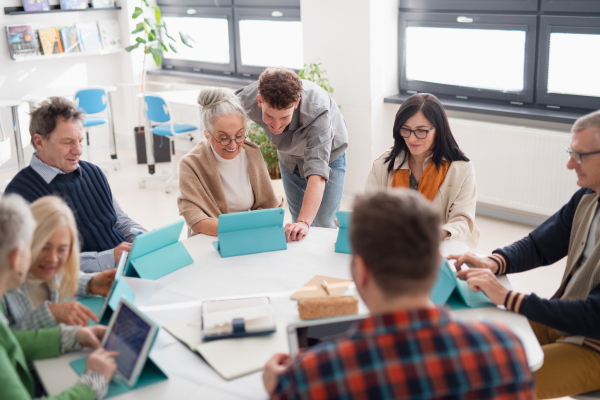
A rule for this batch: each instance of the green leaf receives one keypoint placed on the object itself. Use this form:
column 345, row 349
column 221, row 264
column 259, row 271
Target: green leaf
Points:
column 132, row 47
column 169, row 36
column 157, row 13
column 148, row 22
column 138, row 11
column 173, row 48
column 156, row 55
column 164, row 47
column 146, row 3
column 138, row 28
column 184, row 39
column 151, row 35
column 140, row 40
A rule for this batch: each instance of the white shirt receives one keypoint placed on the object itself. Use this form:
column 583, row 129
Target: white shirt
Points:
column 589, row 248
column 235, row 181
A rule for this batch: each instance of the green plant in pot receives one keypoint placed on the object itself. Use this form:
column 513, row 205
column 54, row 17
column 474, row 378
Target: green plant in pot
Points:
column 311, row 72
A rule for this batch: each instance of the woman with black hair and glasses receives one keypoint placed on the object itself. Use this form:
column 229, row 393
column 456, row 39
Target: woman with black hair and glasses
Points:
column 425, row 157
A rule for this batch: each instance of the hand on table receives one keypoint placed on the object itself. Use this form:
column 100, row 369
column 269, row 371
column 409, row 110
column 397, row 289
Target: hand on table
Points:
column 484, row 280
column 72, row 313
column 295, row 231
column 91, row 336
column 103, row 362
column 101, row 283
column 273, row 368
column 472, row 261
column 125, row 246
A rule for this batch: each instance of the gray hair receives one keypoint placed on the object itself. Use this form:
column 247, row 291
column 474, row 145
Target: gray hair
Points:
column 16, row 225
column 218, row 102
column 588, row 121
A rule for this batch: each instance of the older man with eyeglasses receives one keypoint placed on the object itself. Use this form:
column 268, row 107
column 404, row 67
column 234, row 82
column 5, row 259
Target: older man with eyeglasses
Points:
column 568, row 325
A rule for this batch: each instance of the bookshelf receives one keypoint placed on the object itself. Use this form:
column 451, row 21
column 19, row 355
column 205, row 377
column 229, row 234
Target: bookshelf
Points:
column 53, row 9
column 69, row 55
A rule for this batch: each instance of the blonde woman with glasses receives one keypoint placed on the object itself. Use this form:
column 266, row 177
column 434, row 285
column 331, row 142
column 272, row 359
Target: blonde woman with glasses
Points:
column 226, row 172
column 45, row 299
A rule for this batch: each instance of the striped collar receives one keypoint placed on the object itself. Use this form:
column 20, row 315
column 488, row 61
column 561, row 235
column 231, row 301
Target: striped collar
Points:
column 47, row 172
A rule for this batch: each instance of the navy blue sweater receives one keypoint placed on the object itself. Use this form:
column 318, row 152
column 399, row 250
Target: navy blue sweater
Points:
column 87, row 193
column 545, row 245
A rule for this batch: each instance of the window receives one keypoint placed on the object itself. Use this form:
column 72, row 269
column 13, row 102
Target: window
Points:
column 471, row 5
column 468, row 55
column 571, row 5
column 284, row 47
column 230, row 35
column 568, row 63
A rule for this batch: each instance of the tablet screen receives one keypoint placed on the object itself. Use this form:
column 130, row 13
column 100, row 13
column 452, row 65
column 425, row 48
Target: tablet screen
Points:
column 309, row 336
column 127, row 336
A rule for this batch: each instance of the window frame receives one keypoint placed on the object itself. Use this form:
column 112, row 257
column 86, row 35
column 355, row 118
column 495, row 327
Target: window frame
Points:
column 471, row 5
column 571, row 6
column 194, row 3
column 480, row 21
column 202, row 66
column 560, row 24
column 263, row 14
column 266, row 3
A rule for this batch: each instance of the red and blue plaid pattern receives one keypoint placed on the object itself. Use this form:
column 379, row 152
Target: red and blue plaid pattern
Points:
column 419, row 354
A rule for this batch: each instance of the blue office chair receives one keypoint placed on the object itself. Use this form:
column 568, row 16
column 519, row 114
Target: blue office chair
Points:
column 158, row 111
column 94, row 101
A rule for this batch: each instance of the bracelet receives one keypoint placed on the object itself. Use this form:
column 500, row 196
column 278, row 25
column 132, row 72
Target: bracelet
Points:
column 304, row 222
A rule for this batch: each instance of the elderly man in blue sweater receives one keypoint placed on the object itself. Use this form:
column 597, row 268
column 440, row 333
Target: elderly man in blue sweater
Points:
column 568, row 325
column 56, row 130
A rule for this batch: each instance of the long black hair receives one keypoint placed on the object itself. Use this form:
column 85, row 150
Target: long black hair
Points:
column 444, row 145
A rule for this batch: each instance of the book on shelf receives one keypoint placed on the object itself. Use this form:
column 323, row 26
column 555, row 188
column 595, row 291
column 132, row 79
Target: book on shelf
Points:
column 22, row 41
column 110, row 34
column 50, row 41
column 70, row 39
column 36, row 5
column 103, row 3
column 89, row 36
column 73, row 4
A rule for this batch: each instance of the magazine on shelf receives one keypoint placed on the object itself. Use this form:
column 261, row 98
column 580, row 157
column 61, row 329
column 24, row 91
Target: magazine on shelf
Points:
column 22, row 41
column 110, row 34
column 103, row 3
column 89, row 37
column 50, row 41
column 36, row 5
column 70, row 39
column 73, row 4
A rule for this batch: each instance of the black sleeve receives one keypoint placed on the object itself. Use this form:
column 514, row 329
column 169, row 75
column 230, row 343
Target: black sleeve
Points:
column 547, row 243
column 580, row 317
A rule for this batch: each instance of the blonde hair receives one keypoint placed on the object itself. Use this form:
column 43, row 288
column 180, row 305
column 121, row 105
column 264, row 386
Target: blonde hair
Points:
column 52, row 213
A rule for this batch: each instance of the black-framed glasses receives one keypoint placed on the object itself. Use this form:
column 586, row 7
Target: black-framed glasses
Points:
column 225, row 142
column 419, row 133
column 575, row 156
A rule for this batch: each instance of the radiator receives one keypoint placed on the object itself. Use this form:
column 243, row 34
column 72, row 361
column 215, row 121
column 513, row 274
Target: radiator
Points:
column 517, row 168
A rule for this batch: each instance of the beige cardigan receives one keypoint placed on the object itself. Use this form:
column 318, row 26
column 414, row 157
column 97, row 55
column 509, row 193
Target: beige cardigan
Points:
column 202, row 194
column 456, row 198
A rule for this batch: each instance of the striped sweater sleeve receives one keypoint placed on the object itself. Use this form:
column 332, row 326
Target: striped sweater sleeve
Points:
column 580, row 317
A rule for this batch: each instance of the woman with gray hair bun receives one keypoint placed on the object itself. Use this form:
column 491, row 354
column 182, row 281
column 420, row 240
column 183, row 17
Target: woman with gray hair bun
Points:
column 21, row 347
column 225, row 173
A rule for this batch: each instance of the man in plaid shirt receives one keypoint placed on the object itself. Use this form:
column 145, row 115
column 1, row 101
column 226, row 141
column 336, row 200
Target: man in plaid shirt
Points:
column 408, row 348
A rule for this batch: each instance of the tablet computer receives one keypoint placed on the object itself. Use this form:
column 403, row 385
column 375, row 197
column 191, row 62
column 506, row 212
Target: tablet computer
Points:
column 130, row 333
column 309, row 333
column 118, row 275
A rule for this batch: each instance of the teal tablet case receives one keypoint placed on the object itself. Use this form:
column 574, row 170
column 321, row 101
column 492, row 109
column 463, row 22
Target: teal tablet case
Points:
column 450, row 290
column 150, row 374
column 120, row 290
column 342, row 245
column 157, row 253
column 251, row 232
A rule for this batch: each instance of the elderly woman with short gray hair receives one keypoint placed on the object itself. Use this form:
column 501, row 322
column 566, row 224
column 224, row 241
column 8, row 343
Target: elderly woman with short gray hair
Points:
column 226, row 172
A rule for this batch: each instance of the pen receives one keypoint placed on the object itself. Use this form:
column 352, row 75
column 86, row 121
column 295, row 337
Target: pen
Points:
column 326, row 287
column 136, row 231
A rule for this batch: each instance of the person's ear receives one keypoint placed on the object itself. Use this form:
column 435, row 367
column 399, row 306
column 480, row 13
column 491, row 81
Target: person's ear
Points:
column 13, row 261
column 206, row 135
column 360, row 272
column 259, row 101
column 297, row 103
column 38, row 141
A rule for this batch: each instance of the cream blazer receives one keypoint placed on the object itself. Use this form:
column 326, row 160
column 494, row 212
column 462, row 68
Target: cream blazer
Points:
column 456, row 198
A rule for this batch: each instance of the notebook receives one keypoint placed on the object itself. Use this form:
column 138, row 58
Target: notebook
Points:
column 237, row 318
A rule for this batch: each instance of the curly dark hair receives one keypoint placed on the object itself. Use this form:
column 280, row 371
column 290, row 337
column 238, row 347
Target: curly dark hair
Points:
column 279, row 87
column 45, row 116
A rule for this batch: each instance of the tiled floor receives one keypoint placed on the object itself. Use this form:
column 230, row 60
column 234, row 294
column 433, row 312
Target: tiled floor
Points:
column 152, row 208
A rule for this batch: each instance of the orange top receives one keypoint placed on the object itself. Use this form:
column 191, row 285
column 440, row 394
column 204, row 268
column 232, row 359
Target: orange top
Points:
column 430, row 182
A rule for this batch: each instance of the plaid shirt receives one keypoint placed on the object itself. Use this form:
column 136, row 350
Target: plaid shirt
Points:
column 21, row 315
column 419, row 354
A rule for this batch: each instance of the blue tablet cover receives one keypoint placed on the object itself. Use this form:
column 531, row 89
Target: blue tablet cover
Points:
column 342, row 245
column 450, row 290
column 251, row 232
column 120, row 290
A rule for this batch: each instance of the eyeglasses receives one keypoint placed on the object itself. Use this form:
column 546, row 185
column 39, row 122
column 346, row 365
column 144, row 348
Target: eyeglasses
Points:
column 225, row 142
column 575, row 156
column 419, row 133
